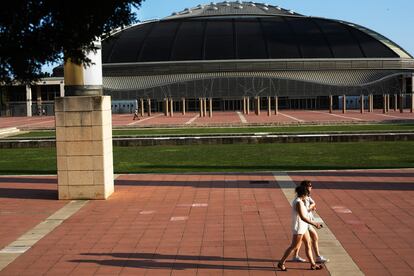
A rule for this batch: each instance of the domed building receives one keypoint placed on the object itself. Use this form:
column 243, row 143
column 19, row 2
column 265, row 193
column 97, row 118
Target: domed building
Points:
column 244, row 56
column 239, row 54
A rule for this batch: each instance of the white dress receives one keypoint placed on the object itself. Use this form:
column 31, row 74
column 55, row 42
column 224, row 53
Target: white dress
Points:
column 299, row 227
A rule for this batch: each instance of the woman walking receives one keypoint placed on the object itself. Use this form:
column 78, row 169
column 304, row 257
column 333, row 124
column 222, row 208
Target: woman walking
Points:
column 300, row 229
column 310, row 207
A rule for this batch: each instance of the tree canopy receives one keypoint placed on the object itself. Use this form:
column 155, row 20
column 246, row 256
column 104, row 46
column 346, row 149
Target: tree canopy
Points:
column 38, row 32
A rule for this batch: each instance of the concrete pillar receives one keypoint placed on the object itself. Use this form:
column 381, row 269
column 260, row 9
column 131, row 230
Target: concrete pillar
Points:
column 84, row 147
column 201, row 107
column 62, row 89
column 28, row 101
column 330, row 103
column 149, row 107
column 210, row 107
column 84, row 133
column 171, row 107
column 384, row 103
column 183, row 107
column 395, row 102
column 244, row 105
column 248, row 105
column 141, row 103
column 269, row 106
column 257, row 106
column 166, row 106
column 401, row 102
column 205, row 107
column 412, row 103
column 276, row 105
column 343, row 104
column 39, row 100
column 362, row 103
column 370, row 103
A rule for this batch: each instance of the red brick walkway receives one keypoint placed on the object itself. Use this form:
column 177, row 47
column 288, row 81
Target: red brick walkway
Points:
column 215, row 224
column 222, row 118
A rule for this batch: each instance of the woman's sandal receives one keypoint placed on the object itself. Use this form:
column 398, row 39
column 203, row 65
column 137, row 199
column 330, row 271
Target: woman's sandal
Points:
column 281, row 267
column 316, row 267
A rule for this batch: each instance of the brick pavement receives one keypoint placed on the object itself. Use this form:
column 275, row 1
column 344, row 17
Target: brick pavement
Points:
column 222, row 118
column 211, row 224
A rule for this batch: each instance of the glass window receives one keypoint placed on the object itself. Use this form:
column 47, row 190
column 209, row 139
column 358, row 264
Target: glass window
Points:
column 219, row 40
column 250, row 42
column 189, row 41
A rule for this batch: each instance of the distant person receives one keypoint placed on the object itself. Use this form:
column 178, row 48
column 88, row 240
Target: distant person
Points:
column 310, row 207
column 300, row 229
column 136, row 115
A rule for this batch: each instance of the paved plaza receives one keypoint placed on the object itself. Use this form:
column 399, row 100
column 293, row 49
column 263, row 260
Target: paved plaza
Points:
column 225, row 118
column 209, row 224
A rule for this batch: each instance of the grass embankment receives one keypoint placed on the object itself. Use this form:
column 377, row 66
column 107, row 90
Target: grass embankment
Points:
column 228, row 158
column 241, row 130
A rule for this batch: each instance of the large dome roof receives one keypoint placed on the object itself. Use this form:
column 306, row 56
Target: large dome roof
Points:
column 244, row 30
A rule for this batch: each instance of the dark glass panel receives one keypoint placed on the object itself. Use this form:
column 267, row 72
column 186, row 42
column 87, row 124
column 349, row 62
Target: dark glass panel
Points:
column 128, row 43
column 312, row 42
column 250, row 42
column 342, row 43
column 219, row 40
column 372, row 47
column 281, row 42
column 157, row 46
column 189, row 41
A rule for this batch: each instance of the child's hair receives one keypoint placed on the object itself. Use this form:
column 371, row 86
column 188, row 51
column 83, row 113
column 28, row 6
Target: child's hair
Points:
column 301, row 191
column 305, row 183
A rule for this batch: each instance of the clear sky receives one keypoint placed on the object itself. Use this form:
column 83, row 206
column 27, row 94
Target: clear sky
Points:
column 391, row 18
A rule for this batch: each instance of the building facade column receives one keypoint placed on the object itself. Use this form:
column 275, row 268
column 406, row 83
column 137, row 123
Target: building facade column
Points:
column 257, row 105
column 149, row 107
column 412, row 103
column 183, row 105
column 84, row 133
column 201, row 106
column 384, row 103
column 171, row 107
column 28, row 101
column 344, row 104
column 244, row 105
column 205, row 107
column 371, row 103
column 269, row 106
column 141, row 103
column 247, row 105
column 330, row 104
column 395, row 102
column 276, row 105
column 387, row 103
column 362, row 103
column 166, row 104
column 210, row 107
column 401, row 102
column 62, row 89
column 39, row 110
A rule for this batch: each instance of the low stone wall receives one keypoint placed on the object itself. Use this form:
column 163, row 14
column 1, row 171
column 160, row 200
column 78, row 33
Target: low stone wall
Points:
column 226, row 139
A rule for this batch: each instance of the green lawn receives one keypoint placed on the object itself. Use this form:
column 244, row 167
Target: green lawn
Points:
column 228, row 158
column 244, row 130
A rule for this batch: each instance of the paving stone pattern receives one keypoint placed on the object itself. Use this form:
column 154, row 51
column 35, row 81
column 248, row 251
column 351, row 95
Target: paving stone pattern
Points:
column 216, row 224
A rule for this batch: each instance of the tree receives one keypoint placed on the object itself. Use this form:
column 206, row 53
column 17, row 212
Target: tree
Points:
column 38, row 32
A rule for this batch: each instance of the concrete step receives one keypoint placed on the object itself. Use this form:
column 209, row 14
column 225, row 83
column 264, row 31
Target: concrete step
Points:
column 4, row 132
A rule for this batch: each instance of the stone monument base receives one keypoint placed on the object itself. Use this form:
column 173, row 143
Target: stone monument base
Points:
column 84, row 147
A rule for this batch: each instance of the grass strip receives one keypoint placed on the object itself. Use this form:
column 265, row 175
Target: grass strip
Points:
column 242, row 130
column 228, row 158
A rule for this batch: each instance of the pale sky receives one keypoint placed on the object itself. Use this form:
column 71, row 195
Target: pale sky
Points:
column 392, row 18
